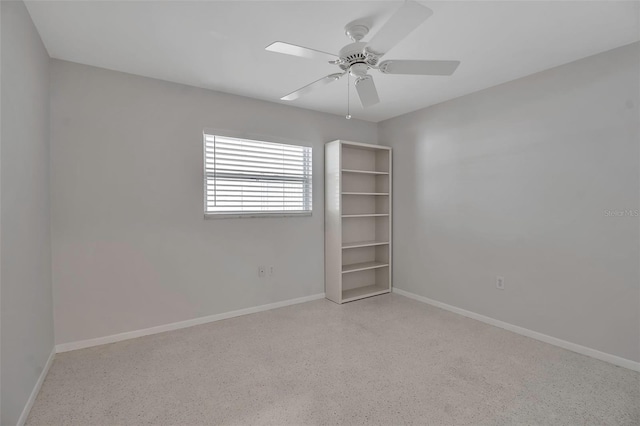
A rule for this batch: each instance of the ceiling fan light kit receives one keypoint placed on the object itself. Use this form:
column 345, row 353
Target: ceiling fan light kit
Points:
column 358, row 57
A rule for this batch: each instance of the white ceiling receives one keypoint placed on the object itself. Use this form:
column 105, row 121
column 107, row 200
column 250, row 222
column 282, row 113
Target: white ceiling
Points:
column 220, row 45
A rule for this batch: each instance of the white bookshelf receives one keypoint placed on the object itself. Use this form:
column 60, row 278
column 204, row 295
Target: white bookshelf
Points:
column 357, row 220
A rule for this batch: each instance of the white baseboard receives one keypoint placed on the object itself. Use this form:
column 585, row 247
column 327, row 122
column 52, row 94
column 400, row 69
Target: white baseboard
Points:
column 72, row 346
column 34, row 393
column 613, row 359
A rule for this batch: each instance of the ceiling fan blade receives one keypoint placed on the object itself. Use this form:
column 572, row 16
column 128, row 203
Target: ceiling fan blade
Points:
column 419, row 67
column 367, row 91
column 312, row 86
column 302, row 52
column 402, row 22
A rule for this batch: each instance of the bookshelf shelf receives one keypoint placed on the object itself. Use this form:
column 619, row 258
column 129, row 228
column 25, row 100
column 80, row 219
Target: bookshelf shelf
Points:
column 364, row 244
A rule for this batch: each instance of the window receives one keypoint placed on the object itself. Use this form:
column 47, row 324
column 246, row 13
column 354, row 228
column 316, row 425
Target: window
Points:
column 255, row 178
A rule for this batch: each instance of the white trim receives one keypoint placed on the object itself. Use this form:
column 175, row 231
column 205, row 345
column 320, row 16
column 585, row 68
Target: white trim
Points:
column 583, row 350
column 34, row 393
column 81, row 344
column 256, row 214
column 257, row 137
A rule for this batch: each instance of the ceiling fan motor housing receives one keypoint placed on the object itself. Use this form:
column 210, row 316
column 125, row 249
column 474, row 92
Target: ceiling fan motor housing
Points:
column 354, row 53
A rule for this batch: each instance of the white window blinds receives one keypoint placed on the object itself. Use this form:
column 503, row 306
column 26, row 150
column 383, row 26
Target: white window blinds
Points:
column 254, row 177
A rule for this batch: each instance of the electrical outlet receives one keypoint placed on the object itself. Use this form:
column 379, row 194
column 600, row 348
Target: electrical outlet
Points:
column 262, row 271
column 500, row 283
column 270, row 271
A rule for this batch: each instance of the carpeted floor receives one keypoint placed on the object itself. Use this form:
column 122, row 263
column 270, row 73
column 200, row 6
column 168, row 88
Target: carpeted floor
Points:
column 385, row 360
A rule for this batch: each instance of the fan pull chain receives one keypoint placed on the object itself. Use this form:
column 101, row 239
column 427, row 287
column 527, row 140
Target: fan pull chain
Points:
column 348, row 116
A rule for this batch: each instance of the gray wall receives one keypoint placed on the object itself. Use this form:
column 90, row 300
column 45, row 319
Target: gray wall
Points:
column 25, row 266
column 515, row 181
column 131, row 248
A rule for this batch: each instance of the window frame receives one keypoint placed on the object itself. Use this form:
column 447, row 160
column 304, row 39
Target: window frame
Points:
column 250, row 214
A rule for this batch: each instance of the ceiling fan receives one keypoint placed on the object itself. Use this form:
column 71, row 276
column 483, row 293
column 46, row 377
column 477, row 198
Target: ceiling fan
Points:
column 359, row 57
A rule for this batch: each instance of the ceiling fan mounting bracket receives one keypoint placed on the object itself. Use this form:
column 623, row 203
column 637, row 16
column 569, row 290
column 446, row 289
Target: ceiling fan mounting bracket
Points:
column 356, row 32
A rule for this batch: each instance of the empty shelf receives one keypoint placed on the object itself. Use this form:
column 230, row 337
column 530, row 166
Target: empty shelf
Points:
column 362, row 292
column 364, row 244
column 366, row 215
column 355, row 267
column 365, row 193
column 366, row 172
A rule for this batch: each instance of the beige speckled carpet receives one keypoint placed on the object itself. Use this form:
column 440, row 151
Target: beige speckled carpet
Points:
column 385, row 360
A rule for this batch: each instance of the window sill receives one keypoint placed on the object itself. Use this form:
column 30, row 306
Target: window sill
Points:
column 208, row 216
